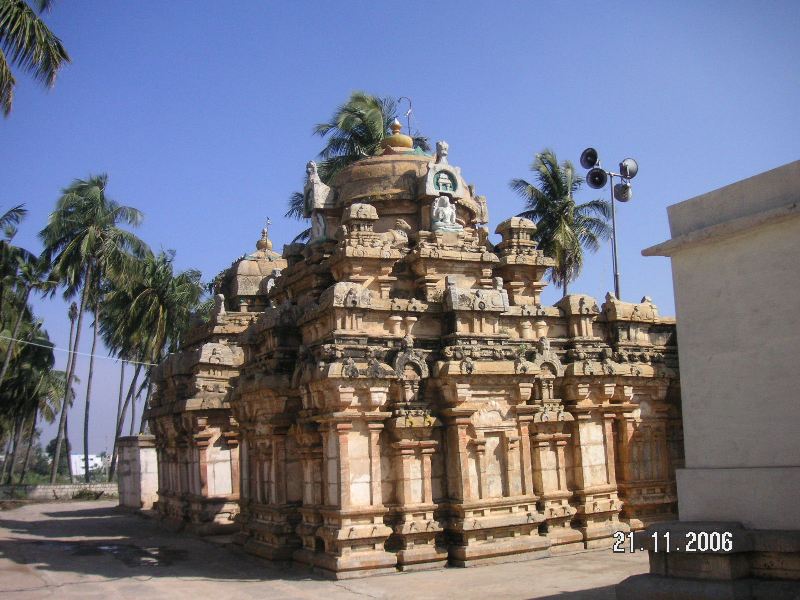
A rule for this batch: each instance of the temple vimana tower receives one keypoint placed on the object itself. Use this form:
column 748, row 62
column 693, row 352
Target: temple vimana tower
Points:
column 393, row 395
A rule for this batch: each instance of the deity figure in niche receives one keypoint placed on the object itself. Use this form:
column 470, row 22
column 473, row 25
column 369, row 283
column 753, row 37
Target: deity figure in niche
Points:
column 443, row 215
column 411, row 380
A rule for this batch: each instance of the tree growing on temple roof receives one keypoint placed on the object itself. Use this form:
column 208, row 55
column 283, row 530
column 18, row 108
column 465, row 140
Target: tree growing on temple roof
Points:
column 354, row 131
column 564, row 228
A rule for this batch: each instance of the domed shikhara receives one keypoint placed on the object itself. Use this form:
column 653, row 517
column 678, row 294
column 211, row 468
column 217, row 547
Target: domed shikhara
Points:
column 402, row 397
column 399, row 183
column 245, row 284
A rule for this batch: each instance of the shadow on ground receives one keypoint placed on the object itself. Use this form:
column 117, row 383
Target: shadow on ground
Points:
column 112, row 543
column 599, row 593
column 94, row 549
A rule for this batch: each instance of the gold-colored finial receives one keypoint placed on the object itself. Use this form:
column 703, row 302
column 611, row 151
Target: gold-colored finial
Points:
column 397, row 139
column 265, row 243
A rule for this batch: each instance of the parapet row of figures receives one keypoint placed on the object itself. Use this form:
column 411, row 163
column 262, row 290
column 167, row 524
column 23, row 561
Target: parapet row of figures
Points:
column 385, row 400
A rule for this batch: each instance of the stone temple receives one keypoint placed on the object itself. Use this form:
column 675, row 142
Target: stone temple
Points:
column 393, row 395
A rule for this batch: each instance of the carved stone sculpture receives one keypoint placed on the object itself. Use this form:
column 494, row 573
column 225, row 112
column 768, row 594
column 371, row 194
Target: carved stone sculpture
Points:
column 442, row 149
column 443, row 215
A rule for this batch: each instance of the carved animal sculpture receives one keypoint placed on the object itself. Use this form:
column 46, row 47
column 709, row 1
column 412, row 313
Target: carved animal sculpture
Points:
column 398, row 236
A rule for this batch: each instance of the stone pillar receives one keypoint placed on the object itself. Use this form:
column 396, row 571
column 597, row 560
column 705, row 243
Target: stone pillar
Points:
column 417, row 531
column 550, row 484
column 525, row 445
column 459, row 484
column 350, row 540
column 647, row 487
column 375, row 429
column 342, row 458
column 513, row 479
column 138, row 472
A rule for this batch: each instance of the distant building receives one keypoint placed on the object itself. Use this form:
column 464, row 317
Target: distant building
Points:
column 76, row 460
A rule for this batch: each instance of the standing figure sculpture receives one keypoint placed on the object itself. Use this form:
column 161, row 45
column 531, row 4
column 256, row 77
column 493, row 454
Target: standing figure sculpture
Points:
column 317, row 226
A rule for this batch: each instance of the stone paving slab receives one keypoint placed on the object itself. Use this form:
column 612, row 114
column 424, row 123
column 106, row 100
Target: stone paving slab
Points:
column 95, row 550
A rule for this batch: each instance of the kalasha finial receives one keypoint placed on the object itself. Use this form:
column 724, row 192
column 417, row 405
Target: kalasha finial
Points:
column 265, row 243
column 397, row 139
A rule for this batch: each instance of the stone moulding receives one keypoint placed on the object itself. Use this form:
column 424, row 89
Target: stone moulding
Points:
column 404, row 400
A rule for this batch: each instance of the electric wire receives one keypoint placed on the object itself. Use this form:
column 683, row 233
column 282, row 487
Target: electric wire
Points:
column 130, row 362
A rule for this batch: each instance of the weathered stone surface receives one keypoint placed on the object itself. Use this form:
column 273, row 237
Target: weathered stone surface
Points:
column 404, row 400
column 196, row 435
column 137, row 472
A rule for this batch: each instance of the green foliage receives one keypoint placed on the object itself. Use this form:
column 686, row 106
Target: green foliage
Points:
column 564, row 228
column 24, row 386
column 204, row 310
column 83, row 239
column 150, row 311
column 28, row 44
column 89, row 251
column 50, row 449
column 87, row 494
column 355, row 131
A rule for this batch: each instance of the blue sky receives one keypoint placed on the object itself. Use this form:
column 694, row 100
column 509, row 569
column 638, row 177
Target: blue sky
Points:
column 201, row 113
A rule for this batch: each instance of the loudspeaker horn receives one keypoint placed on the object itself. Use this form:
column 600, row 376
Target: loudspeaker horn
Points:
column 623, row 192
column 628, row 168
column 596, row 178
column 589, row 158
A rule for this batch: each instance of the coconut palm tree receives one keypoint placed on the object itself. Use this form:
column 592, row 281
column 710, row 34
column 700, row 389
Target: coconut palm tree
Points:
column 28, row 44
column 47, row 403
column 10, row 255
column 30, row 278
column 122, row 338
column 564, row 228
column 355, row 131
column 84, row 245
column 20, row 390
column 150, row 316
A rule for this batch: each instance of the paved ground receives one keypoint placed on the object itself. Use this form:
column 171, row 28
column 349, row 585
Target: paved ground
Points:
column 93, row 550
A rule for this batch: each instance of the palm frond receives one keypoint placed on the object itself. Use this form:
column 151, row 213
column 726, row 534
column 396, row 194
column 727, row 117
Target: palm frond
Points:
column 564, row 229
column 28, row 42
column 7, row 83
column 296, row 205
column 11, row 218
column 303, row 236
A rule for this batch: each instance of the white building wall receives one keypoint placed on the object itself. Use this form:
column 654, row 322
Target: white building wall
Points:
column 736, row 269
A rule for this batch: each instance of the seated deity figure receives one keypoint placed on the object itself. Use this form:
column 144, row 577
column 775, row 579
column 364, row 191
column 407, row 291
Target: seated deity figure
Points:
column 443, row 215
